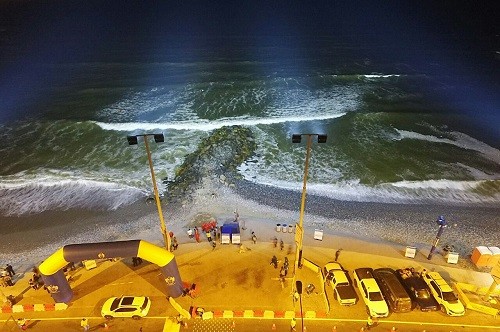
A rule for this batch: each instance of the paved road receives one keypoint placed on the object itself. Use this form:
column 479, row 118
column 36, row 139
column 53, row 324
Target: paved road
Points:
column 153, row 324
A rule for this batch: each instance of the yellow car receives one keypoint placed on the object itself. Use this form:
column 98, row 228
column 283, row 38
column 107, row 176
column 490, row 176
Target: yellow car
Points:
column 126, row 306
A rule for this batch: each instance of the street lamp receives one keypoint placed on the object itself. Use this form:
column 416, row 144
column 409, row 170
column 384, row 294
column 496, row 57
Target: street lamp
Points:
column 299, row 229
column 442, row 224
column 132, row 140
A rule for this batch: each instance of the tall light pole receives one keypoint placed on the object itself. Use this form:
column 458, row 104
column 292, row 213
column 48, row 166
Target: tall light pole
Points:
column 132, row 140
column 442, row 225
column 299, row 229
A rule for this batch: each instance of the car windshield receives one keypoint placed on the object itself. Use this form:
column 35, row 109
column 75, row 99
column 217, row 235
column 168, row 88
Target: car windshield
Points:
column 450, row 297
column 145, row 304
column 422, row 294
column 375, row 296
column 114, row 305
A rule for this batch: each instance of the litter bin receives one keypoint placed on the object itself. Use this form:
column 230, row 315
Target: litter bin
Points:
column 285, row 228
column 290, row 228
column 278, row 227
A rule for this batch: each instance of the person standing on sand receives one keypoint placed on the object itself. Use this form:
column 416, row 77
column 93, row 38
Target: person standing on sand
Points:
column 282, row 245
column 254, row 238
column 10, row 270
column 197, row 234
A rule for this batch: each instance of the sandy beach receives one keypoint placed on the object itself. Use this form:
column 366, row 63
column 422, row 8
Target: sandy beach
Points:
column 29, row 239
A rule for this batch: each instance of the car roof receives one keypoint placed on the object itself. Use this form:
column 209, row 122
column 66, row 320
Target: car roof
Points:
column 371, row 285
column 415, row 282
column 333, row 266
column 440, row 281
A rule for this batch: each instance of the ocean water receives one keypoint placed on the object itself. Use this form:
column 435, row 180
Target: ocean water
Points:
column 396, row 131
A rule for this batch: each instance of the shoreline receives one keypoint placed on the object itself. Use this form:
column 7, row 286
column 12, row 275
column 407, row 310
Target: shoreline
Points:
column 29, row 239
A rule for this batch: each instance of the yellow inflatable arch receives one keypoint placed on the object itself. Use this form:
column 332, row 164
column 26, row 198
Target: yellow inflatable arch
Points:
column 52, row 268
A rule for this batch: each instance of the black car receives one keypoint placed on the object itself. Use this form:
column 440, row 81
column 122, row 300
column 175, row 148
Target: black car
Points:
column 418, row 290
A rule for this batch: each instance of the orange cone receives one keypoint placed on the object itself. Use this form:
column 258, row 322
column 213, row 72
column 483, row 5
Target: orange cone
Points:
column 234, row 324
column 334, row 328
column 393, row 329
column 274, row 327
column 106, row 326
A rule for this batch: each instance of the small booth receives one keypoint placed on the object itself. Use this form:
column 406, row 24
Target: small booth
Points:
column 230, row 233
column 481, row 256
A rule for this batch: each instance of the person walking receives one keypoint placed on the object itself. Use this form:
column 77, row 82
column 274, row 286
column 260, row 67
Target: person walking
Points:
column 369, row 323
column 293, row 324
column 22, row 323
column 85, row 324
column 254, row 238
column 274, row 262
column 10, row 270
column 282, row 245
column 337, row 254
column 275, row 241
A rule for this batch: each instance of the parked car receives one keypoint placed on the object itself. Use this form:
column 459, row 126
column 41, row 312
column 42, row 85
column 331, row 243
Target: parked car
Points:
column 126, row 306
column 370, row 292
column 418, row 290
column 444, row 294
column 338, row 278
column 394, row 292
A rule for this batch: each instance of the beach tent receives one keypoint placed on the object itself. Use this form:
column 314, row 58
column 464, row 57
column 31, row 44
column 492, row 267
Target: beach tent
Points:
column 230, row 233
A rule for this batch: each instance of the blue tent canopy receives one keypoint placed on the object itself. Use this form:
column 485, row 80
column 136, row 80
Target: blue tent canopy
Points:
column 230, row 228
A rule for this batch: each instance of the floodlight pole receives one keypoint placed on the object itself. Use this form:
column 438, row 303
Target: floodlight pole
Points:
column 442, row 225
column 164, row 231
column 299, row 229
column 303, row 201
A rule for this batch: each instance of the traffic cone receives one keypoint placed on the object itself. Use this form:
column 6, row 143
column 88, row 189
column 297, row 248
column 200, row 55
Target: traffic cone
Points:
column 234, row 324
column 393, row 328
column 274, row 327
column 334, row 328
column 362, row 329
column 106, row 326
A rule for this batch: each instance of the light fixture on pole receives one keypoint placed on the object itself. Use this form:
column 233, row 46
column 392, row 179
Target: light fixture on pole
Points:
column 159, row 138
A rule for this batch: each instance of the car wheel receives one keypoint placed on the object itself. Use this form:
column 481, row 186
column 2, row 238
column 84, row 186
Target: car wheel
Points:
column 443, row 310
column 108, row 317
column 136, row 317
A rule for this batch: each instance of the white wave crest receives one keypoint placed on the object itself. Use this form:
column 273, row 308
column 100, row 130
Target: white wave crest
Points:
column 18, row 197
column 461, row 140
column 206, row 125
column 408, row 192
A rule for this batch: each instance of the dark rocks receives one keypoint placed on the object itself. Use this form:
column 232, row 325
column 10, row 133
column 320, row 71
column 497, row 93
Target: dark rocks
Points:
column 217, row 157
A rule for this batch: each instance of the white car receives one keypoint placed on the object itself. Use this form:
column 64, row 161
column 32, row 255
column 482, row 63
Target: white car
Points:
column 370, row 292
column 444, row 294
column 126, row 306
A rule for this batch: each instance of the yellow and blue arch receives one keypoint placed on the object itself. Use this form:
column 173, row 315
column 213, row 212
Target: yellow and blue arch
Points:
column 52, row 268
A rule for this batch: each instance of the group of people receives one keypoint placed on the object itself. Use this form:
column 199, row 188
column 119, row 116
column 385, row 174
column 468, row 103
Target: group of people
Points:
column 6, row 276
column 136, row 261
column 275, row 243
column 36, row 281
